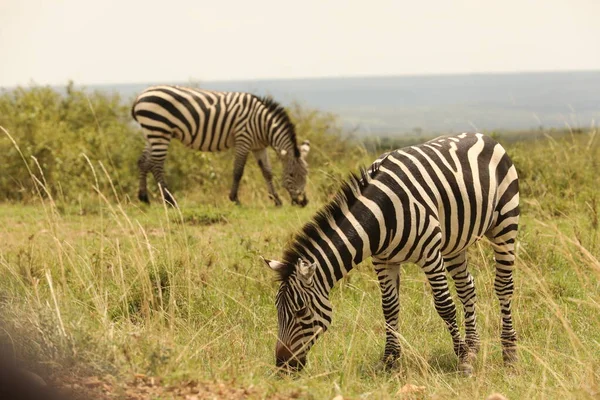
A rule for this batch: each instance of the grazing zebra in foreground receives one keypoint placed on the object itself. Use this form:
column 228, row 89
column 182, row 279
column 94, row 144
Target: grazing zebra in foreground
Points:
column 214, row 121
column 423, row 204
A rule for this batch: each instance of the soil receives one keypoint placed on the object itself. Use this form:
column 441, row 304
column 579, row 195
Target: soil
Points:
column 148, row 387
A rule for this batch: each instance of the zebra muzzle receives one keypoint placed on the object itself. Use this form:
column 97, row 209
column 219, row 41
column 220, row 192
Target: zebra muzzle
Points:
column 301, row 201
column 290, row 366
column 286, row 360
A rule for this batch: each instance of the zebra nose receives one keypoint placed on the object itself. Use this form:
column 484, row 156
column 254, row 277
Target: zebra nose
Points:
column 282, row 353
column 286, row 360
column 301, row 201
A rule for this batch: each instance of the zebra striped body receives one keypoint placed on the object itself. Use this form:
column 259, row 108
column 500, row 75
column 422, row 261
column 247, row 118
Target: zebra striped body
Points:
column 216, row 121
column 423, row 204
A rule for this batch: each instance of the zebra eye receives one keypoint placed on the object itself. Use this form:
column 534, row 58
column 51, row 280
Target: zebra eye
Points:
column 301, row 312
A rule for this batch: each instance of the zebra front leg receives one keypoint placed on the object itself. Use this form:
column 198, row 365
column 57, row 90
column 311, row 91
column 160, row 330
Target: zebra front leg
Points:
column 144, row 167
column 389, row 283
column 158, row 154
column 465, row 288
column 241, row 155
column 444, row 305
column 262, row 158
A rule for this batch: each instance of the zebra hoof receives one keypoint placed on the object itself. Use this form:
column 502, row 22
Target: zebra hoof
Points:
column 510, row 356
column 391, row 365
column 465, row 368
column 465, row 363
column 391, row 361
column 509, row 349
column 143, row 197
column 234, row 199
column 277, row 201
column 169, row 200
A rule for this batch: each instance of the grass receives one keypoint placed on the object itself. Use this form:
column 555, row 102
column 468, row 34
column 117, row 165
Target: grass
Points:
column 126, row 290
column 96, row 285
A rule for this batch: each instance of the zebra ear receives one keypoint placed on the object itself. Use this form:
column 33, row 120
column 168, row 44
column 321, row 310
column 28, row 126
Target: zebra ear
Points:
column 276, row 266
column 304, row 148
column 306, row 271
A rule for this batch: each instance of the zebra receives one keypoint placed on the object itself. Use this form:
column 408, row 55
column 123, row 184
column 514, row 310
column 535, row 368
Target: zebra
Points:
column 214, row 121
column 424, row 204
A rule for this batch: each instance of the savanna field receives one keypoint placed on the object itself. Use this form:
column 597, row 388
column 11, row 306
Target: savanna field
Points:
column 110, row 298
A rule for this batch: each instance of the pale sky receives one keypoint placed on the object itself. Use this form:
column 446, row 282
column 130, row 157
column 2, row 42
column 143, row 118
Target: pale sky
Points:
column 110, row 41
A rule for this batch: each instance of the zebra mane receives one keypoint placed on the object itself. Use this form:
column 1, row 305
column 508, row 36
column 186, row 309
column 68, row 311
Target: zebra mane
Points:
column 348, row 194
column 282, row 116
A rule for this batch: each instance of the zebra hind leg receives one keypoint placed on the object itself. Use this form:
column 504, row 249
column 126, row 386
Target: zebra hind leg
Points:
column 241, row 155
column 465, row 288
column 169, row 200
column 444, row 305
column 504, row 255
column 166, row 195
column 158, row 172
column 144, row 167
column 389, row 283
column 157, row 168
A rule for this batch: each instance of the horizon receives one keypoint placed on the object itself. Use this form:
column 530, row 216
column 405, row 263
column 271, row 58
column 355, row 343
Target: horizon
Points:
column 310, row 78
column 392, row 105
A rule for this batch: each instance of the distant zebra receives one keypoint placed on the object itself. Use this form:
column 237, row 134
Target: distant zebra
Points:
column 214, row 121
column 423, row 204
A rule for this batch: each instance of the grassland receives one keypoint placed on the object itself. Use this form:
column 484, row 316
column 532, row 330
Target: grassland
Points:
column 95, row 285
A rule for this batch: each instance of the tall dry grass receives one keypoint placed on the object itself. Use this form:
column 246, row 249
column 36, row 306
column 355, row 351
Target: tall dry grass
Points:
column 95, row 284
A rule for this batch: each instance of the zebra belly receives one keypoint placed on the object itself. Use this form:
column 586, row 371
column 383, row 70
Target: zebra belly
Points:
column 425, row 235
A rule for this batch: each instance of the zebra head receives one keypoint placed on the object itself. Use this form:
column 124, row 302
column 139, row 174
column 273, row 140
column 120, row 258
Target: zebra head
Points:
column 295, row 171
column 303, row 313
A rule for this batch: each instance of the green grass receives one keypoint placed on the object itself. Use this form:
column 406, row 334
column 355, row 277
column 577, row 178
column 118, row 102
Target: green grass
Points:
column 94, row 284
column 131, row 290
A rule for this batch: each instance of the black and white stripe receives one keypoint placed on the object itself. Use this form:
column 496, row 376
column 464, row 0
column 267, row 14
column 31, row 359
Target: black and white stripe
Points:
column 215, row 121
column 423, row 204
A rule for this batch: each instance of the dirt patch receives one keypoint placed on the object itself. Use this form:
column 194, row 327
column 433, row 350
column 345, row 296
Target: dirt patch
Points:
column 147, row 387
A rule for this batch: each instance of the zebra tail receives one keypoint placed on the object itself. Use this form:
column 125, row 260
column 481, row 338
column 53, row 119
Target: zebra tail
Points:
column 133, row 111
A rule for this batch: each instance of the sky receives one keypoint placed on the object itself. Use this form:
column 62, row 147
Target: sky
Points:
column 110, row 41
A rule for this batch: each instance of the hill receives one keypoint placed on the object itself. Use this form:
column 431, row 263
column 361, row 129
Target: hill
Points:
column 436, row 103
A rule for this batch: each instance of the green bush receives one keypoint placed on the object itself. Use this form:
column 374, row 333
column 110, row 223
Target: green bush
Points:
column 56, row 131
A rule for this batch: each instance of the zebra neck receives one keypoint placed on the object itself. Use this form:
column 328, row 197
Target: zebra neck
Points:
column 281, row 139
column 282, row 145
column 339, row 244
